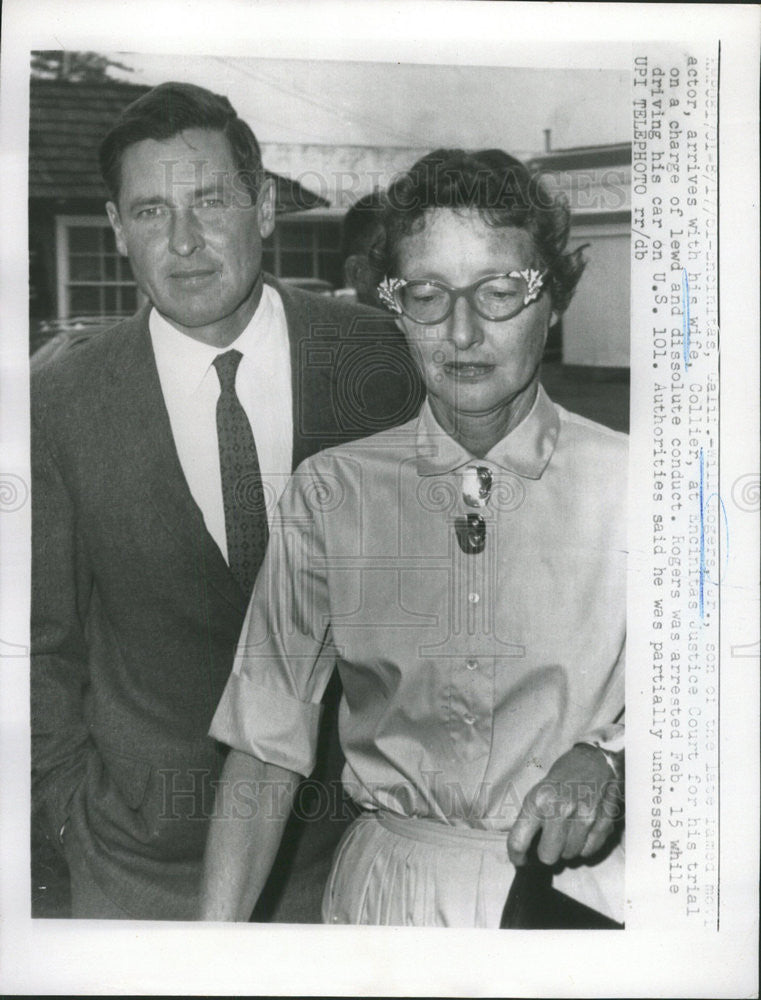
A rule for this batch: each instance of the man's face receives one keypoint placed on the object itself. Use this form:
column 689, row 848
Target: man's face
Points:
column 192, row 233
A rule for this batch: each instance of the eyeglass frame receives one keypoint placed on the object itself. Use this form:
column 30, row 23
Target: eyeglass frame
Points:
column 534, row 279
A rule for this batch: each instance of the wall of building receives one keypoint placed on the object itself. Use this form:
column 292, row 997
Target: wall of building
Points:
column 342, row 174
column 596, row 325
column 596, row 329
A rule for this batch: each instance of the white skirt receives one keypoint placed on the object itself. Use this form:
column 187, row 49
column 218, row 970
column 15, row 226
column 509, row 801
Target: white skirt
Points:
column 395, row 871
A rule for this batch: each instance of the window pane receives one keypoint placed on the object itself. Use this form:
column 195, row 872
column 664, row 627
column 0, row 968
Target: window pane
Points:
column 128, row 300
column 268, row 261
column 110, row 299
column 329, row 235
column 295, row 235
column 124, row 271
column 295, row 265
column 84, row 268
column 112, row 269
column 85, row 239
column 84, row 301
column 329, row 267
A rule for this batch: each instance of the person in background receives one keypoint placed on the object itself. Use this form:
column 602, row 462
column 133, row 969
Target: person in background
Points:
column 466, row 576
column 360, row 228
column 159, row 449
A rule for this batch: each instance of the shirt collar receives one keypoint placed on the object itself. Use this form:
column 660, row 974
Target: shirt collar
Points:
column 526, row 450
column 187, row 361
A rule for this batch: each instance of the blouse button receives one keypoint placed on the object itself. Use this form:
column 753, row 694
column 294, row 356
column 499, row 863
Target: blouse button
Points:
column 469, row 719
column 474, row 598
column 472, row 664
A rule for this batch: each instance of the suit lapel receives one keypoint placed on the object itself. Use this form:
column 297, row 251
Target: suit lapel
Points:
column 143, row 429
column 314, row 420
column 145, row 437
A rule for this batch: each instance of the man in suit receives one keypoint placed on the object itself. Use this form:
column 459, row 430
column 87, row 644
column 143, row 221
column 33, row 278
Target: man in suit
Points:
column 159, row 449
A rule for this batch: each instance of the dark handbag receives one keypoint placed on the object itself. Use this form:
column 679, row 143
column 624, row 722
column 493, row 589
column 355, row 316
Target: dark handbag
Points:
column 532, row 904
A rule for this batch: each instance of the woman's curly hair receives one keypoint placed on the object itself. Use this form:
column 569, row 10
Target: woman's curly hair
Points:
column 505, row 193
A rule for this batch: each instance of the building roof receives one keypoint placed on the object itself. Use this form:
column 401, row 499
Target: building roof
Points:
column 580, row 157
column 67, row 122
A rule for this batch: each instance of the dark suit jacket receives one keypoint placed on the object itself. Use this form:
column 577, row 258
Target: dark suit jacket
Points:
column 135, row 614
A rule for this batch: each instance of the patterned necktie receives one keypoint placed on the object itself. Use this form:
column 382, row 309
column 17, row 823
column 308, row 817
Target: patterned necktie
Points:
column 242, row 491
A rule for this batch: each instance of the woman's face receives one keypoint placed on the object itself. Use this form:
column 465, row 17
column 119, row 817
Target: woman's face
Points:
column 472, row 365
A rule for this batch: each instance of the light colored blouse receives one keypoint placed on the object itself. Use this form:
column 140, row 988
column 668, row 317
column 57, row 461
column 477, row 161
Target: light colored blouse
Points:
column 465, row 676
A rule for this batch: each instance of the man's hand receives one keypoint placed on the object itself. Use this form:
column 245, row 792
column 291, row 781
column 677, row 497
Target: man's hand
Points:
column 575, row 807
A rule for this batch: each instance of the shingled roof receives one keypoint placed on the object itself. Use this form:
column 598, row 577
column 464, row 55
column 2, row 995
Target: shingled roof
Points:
column 66, row 124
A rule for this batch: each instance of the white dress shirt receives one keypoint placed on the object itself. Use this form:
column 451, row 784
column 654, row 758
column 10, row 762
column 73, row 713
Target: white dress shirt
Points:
column 190, row 386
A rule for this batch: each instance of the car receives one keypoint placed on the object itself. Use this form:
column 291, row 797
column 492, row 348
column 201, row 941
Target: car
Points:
column 60, row 335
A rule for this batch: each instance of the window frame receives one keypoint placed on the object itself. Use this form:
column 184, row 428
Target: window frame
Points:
column 311, row 227
column 63, row 226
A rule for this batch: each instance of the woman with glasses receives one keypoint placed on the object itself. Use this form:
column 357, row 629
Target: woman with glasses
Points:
column 465, row 573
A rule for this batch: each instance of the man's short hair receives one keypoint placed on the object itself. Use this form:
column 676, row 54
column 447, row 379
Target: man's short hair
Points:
column 361, row 224
column 504, row 192
column 169, row 109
